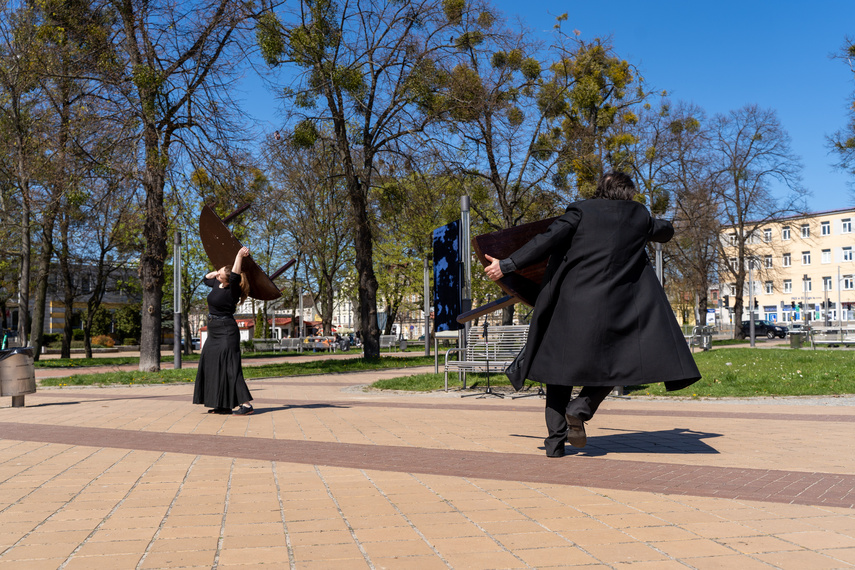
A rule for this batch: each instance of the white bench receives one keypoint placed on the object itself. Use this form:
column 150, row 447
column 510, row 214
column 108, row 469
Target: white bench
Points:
column 264, row 344
column 498, row 350
column 831, row 336
column 289, row 344
column 388, row 341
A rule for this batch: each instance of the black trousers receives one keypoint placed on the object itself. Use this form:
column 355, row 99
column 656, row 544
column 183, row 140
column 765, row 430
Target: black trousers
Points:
column 560, row 401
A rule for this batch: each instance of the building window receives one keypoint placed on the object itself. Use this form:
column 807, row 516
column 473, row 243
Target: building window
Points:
column 768, row 287
column 732, row 238
column 848, row 282
column 805, row 258
column 785, row 233
column 733, row 264
column 826, row 256
column 732, row 287
column 805, row 230
column 788, row 285
column 767, row 235
column 787, row 261
column 826, row 283
column 767, row 261
column 847, row 253
column 807, row 286
column 825, row 228
column 846, row 225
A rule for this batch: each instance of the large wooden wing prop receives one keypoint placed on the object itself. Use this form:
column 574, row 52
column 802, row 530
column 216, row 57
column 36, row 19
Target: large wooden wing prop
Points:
column 222, row 247
column 520, row 286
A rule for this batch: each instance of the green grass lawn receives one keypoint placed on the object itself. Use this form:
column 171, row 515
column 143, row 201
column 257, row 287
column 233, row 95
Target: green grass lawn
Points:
column 330, row 366
column 727, row 372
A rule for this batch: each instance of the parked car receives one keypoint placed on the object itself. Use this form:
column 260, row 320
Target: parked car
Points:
column 764, row 328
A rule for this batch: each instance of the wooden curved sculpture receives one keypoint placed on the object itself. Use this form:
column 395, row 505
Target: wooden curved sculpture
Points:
column 221, row 246
column 521, row 286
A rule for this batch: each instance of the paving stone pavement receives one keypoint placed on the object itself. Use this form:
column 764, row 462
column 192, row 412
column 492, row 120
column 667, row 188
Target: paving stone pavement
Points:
column 327, row 475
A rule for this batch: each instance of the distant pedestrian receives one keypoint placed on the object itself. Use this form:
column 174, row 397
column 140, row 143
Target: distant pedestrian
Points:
column 220, row 384
column 601, row 318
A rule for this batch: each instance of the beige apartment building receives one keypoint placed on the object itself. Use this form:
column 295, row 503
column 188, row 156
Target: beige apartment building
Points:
column 804, row 266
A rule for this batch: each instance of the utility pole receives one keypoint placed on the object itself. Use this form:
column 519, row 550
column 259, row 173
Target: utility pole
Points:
column 176, row 281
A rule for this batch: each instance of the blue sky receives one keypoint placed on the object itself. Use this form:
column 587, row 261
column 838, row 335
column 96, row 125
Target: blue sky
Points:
column 723, row 55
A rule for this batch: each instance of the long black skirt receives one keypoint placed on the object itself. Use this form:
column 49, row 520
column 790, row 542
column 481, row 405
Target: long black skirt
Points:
column 219, row 378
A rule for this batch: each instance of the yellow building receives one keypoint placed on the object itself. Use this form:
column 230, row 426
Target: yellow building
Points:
column 802, row 265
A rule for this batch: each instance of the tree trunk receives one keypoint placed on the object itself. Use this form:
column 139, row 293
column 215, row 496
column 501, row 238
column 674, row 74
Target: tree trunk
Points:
column 153, row 257
column 42, row 276
column 365, row 273
column 26, row 244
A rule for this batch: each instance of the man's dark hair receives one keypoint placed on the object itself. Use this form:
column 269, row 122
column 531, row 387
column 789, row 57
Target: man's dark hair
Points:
column 615, row 185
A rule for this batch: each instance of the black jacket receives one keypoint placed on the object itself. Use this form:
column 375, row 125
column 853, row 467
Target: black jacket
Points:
column 601, row 317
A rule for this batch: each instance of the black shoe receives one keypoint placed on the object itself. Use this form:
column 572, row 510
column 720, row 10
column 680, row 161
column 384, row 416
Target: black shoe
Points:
column 576, row 431
column 556, row 453
column 244, row 410
column 219, row 411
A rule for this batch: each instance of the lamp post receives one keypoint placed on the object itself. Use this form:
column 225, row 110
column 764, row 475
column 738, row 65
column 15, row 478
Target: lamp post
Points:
column 751, row 300
column 176, row 280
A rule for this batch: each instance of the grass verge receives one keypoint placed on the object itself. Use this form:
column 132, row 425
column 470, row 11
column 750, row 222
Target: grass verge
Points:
column 331, row 366
column 727, row 372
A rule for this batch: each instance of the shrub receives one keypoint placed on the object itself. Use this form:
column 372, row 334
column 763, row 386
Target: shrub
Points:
column 130, row 342
column 51, row 338
column 103, row 340
column 77, row 334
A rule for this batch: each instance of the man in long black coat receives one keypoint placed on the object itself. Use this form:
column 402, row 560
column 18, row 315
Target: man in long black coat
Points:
column 601, row 318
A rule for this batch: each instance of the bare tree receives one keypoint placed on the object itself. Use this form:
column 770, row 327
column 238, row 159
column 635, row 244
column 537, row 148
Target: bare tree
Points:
column 173, row 66
column 364, row 68
column 750, row 151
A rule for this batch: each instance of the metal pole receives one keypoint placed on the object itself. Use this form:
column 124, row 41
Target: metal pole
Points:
column 300, row 291
column 176, row 336
column 466, row 285
column 839, row 305
column 751, row 300
column 427, row 308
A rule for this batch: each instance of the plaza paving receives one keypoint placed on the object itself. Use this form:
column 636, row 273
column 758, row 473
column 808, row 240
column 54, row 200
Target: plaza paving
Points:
column 327, row 475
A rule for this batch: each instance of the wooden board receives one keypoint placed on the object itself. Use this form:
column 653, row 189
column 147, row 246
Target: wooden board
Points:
column 525, row 283
column 222, row 247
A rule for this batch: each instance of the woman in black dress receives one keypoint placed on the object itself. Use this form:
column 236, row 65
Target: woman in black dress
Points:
column 219, row 379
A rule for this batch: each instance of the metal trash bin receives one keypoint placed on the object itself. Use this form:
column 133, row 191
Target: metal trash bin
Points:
column 706, row 340
column 796, row 340
column 17, row 374
column 402, row 345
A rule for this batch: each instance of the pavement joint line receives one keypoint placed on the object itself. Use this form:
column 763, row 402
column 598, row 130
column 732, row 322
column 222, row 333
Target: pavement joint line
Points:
column 405, row 517
column 167, row 513
column 221, row 538
column 113, row 510
column 487, row 533
column 34, row 490
column 292, row 562
column 343, row 516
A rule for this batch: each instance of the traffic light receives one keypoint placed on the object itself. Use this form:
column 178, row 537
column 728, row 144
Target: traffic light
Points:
column 727, row 300
column 799, row 305
column 756, row 304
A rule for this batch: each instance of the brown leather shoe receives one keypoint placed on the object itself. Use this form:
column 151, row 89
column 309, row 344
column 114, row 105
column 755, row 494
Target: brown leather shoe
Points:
column 576, row 431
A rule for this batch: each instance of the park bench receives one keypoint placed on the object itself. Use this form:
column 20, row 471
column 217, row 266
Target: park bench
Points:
column 498, row 350
column 289, row 344
column 320, row 343
column 388, row 341
column 264, row 344
column 831, row 336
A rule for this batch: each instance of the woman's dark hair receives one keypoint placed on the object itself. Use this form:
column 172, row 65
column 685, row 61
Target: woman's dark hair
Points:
column 615, row 185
